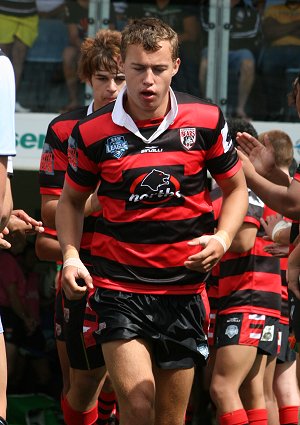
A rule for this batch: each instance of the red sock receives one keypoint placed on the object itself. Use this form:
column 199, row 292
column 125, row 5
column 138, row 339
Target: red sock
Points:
column 106, row 406
column 257, row 417
column 238, row 417
column 73, row 417
column 288, row 415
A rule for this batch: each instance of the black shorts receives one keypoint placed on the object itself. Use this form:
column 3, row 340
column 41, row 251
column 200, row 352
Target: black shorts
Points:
column 286, row 354
column 295, row 316
column 59, row 322
column 248, row 329
column 171, row 324
column 80, row 356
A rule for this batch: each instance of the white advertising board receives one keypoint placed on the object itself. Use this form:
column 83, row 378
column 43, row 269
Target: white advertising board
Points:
column 31, row 130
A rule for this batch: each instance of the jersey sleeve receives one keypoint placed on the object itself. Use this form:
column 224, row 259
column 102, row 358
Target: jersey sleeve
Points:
column 222, row 159
column 255, row 209
column 83, row 172
column 53, row 164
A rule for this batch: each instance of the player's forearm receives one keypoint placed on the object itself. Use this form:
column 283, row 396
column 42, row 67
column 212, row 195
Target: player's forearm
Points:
column 234, row 208
column 69, row 223
column 47, row 248
column 279, row 198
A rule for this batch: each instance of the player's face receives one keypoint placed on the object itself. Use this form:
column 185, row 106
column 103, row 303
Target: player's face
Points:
column 148, row 78
column 106, row 87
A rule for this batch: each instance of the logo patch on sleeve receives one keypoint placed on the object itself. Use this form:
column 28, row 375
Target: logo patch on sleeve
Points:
column 73, row 153
column 47, row 160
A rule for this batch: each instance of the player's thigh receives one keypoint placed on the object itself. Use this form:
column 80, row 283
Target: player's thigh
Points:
column 173, row 388
column 232, row 364
column 130, row 369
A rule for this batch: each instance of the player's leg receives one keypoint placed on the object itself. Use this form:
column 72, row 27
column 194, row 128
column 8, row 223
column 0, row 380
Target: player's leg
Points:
column 3, row 374
column 252, row 392
column 287, row 392
column 173, row 388
column 232, row 365
column 271, row 402
column 130, row 369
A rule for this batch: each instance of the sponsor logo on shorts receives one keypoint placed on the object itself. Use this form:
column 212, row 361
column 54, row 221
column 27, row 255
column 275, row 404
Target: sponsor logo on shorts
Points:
column 231, row 331
column 233, row 320
column 268, row 333
column 66, row 315
column 203, row 350
column 116, row 146
column 187, row 137
column 100, row 328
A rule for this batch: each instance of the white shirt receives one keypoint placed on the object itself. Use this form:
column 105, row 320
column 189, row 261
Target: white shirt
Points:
column 7, row 108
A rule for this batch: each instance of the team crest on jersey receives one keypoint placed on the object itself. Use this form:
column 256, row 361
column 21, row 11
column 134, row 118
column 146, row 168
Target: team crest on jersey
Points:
column 187, row 137
column 47, row 160
column 72, row 153
column 116, row 146
column 231, row 331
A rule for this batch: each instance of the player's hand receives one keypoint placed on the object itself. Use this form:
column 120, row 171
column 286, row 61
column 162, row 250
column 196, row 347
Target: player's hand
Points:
column 21, row 221
column 4, row 244
column 71, row 274
column 261, row 155
column 280, row 251
column 208, row 257
column 248, row 167
column 269, row 223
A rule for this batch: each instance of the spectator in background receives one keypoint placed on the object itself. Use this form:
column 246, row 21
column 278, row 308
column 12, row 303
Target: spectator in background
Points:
column 18, row 30
column 281, row 29
column 182, row 18
column 77, row 23
column 244, row 46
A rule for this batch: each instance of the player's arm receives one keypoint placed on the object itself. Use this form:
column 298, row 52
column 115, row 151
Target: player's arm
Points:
column 233, row 211
column 262, row 156
column 69, row 224
column 285, row 200
column 244, row 239
column 293, row 272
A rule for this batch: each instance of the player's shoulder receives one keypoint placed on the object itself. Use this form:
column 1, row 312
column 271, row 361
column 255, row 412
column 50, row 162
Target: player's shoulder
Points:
column 98, row 114
column 75, row 115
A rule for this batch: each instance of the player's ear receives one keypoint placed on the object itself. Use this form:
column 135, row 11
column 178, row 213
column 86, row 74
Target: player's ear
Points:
column 176, row 65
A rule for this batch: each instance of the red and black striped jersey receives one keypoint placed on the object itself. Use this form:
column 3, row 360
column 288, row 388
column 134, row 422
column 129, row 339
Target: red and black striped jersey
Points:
column 54, row 164
column 153, row 190
column 251, row 282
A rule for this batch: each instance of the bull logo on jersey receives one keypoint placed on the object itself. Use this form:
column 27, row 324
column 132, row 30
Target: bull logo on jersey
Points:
column 116, row 146
column 154, row 187
column 72, row 153
column 231, row 331
column 47, row 160
column 187, row 137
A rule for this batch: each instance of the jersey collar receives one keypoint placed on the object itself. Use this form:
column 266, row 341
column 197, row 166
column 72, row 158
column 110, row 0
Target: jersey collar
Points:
column 121, row 118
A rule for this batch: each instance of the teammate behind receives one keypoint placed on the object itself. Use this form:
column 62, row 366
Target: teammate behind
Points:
column 98, row 67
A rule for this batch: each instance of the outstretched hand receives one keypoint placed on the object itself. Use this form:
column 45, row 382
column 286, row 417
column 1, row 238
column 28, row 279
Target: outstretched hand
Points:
column 262, row 156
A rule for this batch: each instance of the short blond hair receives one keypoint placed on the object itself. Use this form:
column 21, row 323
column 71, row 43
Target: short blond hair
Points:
column 148, row 32
column 282, row 144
